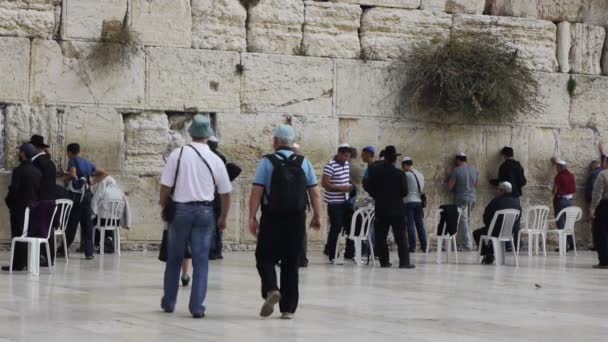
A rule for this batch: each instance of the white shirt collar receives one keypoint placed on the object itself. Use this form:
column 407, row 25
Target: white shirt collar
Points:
column 38, row 155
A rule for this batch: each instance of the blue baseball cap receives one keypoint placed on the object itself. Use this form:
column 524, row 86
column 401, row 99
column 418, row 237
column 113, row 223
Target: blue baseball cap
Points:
column 371, row 149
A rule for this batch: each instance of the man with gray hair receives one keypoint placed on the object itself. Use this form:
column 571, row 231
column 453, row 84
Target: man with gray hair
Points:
column 504, row 200
column 281, row 186
column 189, row 181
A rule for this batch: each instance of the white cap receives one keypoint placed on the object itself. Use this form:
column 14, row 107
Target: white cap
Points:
column 213, row 138
column 506, row 187
column 461, row 154
column 560, row 162
column 406, row 159
column 343, row 146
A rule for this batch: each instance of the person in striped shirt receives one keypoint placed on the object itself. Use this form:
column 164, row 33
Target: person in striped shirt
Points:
column 337, row 184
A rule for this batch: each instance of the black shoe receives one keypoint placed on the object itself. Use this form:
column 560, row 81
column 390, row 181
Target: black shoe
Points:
column 213, row 257
column 18, row 269
column 410, row 266
column 219, row 257
column 387, row 265
column 413, row 250
column 185, row 279
column 600, row 266
column 89, row 257
column 201, row 315
column 488, row 260
column 60, row 252
column 304, row 264
column 326, row 251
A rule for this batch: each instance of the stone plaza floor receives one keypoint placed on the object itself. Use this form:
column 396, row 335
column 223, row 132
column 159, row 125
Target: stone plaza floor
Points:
column 117, row 299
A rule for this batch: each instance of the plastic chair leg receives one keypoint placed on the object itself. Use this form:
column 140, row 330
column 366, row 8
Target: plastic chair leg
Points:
column 48, row 256
column 102, row 240
column 530, row 243
column 65, row 247
column 33, row 259
column 455, row 248
column 428, row 245
column 10, row 267
column 358, row 253
column 574, row 243
column 439, row 249
column 515, row 254
column 340, row 260
column 117, row 242
column 449, row 251
column 518, row 241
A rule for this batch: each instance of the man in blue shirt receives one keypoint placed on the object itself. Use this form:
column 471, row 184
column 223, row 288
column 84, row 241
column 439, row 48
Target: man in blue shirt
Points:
column 78, row 177
column 282, row 227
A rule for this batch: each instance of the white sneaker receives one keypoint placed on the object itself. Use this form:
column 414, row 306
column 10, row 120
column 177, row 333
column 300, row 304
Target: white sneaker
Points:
column 286, row 315
column 272, row 299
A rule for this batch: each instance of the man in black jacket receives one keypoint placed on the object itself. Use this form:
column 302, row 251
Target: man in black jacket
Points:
column 387, row 185
column 42, row 161
column 503, row 200
column 23, row 190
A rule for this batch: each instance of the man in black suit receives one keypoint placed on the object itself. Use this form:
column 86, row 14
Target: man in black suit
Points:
column 23, row 190
column 504, row 200
column 42, row 161
column 387, row 185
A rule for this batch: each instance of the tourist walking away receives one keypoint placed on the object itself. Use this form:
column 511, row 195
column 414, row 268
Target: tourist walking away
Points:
column 23, row 190
column 189, row 181
column 504, row 199
column 415, row 201
column 283, row 183
column 43, row 162
column 387, row 185
column 79, row 180
column 337, row 185
column 463, row 183
column 564, row 188
column 599, row 215
column 594, row 170
column 513, row 172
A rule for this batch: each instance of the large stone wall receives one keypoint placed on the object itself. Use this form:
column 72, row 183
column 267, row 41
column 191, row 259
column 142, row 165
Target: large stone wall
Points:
column 334, row 69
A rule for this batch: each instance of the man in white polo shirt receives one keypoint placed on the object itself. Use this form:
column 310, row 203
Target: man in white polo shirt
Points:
column 191, row 177
column 337, row 185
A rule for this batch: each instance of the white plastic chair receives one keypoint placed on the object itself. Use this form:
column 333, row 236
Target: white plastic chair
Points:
column 535, row 226
column 366, row 216
column 34, row 243
column 509, row 217
column 111, row 223
column 445, row 236
column 573, row 215
column 64, row 208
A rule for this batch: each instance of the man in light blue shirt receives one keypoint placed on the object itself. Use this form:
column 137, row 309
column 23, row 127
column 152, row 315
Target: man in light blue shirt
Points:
column 281, row 186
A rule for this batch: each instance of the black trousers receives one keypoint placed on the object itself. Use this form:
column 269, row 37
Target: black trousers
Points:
column 340, row 217
column 487, row 248
column 600, row 232
column 81, row 214
column 20, row 255
column 280, row 239
column 382, row 226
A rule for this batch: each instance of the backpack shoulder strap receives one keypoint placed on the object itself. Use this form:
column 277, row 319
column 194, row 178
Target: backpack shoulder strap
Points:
column 179, row 159
column 298, row 159
column 417, row 182
column 276, row 162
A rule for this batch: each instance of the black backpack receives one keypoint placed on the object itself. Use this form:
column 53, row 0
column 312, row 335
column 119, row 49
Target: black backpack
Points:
column 288, row 185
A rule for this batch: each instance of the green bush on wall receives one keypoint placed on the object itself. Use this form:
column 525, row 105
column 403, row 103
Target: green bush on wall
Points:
column 478, row 76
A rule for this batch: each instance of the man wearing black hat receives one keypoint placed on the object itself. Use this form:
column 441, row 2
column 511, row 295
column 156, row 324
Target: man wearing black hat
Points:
column 42, row 161
column 387, row 185
column 23, row 190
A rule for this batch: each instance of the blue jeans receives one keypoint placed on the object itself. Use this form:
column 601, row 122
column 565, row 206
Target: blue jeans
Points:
column 561, row 204
column 464, row 229
column 415, row 216
column 193, row 223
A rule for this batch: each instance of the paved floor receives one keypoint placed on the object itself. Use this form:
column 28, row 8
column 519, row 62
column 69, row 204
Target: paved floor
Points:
column 117, row 299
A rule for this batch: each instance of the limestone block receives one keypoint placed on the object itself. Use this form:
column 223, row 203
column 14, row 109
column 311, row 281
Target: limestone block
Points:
column 553, row 10
column 275, row 26
column 331, row 30
column 14, row 68
column 99, row 131
column 535, row 40
column 358, row 132
column 219, row 25
column 388, row 33
column 578, row 147
column 84, row 19
column 409, row 4
column 79, row 72
column 586, row 50
column 564, row 42
column 604, row 61
column 142, row 194
column 162, row 22
column 433, row 5
column 589, row 107
column 369, row 89
column 23, row 18
column 22, row 121
column 465, row 6
column 185, row 78
column 287, row 84
column 146, row 140
column 236, row 223
column 596, row 12
column 555, row 98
